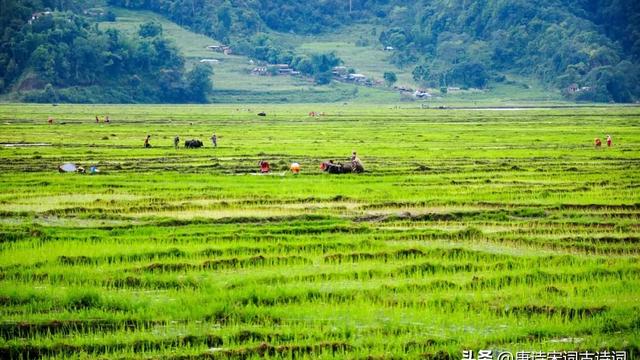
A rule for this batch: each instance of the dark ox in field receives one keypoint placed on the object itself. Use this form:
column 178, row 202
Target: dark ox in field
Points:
column 339, row 168
column 193, row 144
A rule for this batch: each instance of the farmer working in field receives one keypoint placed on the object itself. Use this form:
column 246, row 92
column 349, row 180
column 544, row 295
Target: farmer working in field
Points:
column 355, row 161
column 264, row 167
column 214, row 140
column 176, row 141
column 597, row 142
column 609, row 141
column 146, row 141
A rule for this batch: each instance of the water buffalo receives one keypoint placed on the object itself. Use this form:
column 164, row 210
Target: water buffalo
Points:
column 193, row 144
column 339, row 168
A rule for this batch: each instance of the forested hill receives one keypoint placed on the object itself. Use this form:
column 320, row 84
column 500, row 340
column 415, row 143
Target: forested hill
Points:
column 589, row 45
column 51, row 56
column 596, row 47
column 590, row 49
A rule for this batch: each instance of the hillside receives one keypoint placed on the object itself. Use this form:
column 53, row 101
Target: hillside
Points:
column 500, row 52
column 231, row 73
column 62, row 56
column 233, row 82
column 589, row 50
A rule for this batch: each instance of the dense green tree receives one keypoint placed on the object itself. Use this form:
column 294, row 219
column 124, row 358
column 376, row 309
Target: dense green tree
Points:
column 468, row 74
column 323, row 78
column 421, row 74
column 199, row 83
column 78, row 62
column 150, row 29
column 390, row 78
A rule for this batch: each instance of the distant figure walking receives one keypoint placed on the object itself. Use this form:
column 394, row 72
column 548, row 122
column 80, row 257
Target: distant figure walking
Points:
column 50, row 120
column 146, row 141
column 176, row 141
column 597, row 143
column 214, row 140
column 97, row 120
column 609, row 141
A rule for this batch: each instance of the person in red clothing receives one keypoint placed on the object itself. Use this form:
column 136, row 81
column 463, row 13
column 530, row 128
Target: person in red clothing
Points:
column 597, row 142
column 264, row 167
column 609, row 141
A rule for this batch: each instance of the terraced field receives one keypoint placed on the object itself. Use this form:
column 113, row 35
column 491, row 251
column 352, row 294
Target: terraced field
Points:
column 470, row 230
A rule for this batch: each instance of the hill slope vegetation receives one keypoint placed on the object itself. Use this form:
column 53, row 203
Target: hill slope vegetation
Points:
column 65, row 57
column 592, row 48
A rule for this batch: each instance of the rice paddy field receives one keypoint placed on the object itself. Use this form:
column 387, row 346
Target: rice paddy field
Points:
column 504, row 231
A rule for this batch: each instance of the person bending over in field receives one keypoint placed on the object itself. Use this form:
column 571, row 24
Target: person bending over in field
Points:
column 597, row 143
column 264, row 167
column 146, row 141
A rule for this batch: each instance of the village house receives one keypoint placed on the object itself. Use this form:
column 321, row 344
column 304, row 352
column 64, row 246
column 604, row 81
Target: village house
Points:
column 420, row 94
column 572, row 88
column 274, row 69
column 339, row 71
column 259, row 70
column 221, row 49
column 95, row 12
column 282, row 69
column 357, row 78
column 402, row 88
column 36, row 16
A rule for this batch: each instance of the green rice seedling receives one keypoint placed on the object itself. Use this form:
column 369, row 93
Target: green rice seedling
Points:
column 469, row 230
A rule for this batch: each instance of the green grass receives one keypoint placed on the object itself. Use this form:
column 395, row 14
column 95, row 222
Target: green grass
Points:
column 193, row 46
column 501, row 230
